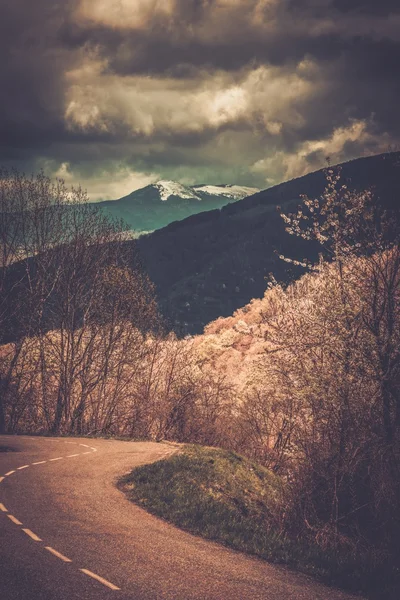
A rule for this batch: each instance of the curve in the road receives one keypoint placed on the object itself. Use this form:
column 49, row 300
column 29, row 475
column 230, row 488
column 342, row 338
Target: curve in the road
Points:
column 31, row 534
column 91, row 537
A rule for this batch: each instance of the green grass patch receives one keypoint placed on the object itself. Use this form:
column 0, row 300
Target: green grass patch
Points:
column 219, row 495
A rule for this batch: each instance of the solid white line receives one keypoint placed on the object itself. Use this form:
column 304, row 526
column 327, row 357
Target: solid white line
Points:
column 84, row 445
column 53, row 459
column 32, row 535
column 41, row 462
column 73, row 443
column 100, row 579
column 14, row 520
column 24, row 467
column 3, row 508
column 1, row 479
column 90, row 452
column 9, row 473
column 94, row 449
column 58, row 554
column 72, row 455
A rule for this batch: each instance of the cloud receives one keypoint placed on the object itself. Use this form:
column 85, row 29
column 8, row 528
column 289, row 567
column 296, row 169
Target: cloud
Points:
column 357, row 139
column 265, row 98
column 246, row 91
column 121, row 13
column 117, row 181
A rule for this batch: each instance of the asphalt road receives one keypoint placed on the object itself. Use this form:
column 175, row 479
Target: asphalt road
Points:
column 67, row 533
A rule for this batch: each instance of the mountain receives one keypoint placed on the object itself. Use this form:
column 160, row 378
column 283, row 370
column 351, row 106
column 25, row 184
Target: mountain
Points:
column 159, row 204
column 212, row 263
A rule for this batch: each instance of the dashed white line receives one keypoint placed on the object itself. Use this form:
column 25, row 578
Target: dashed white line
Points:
column 14, row 520
column 100, row 579
column 36, row 538
column 58, row 554
column 32, row 535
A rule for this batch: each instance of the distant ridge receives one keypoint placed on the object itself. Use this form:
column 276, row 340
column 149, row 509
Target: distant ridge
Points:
column 210, row 264
column 161, row 203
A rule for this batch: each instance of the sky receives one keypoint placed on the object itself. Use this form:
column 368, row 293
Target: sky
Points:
column 117, row 94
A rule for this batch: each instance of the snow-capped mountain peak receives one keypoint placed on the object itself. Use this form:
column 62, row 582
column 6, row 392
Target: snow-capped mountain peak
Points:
column 237, row 192
column 166, row 201
column 167, row 188
column 173, row 188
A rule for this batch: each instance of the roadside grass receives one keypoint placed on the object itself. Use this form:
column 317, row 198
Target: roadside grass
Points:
column 227, row 498
column 208, row 491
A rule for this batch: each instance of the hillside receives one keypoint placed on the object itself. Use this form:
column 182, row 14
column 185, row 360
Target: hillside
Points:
column 161, row 203
column 213, row 263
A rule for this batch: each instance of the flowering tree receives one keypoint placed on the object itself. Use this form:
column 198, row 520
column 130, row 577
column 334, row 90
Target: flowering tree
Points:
column 344, row 354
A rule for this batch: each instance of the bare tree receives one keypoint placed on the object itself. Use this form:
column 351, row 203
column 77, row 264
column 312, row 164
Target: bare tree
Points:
column 73, row 285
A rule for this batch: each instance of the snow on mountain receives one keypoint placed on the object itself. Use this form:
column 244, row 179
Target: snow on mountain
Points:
column 167, row 189
column 159, row 204
column 173, row 188
column 237, row 192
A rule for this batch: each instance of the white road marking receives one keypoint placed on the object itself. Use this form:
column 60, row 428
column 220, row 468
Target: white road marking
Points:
column 32, row 535
column 14, row 520
column 100, row 579
column 73, row 443
column 58, row 554
column 36, row 538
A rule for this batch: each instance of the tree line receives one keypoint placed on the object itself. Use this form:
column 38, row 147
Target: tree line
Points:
column 84, row 350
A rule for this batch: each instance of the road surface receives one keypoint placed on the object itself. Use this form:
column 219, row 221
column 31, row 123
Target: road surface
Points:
column 67, row 533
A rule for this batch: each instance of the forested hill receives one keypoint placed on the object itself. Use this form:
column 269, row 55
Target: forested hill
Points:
column 210, row 264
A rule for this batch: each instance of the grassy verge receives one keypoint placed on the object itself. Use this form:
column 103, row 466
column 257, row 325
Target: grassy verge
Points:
column 214, row 493
column 227, row 498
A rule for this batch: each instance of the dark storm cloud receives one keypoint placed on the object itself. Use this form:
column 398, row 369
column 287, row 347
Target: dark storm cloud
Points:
column 31, row 71
column 229, row 35
column 97, row 87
